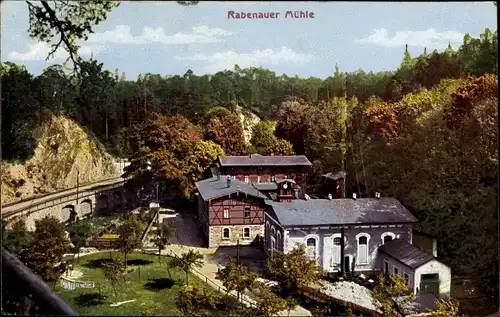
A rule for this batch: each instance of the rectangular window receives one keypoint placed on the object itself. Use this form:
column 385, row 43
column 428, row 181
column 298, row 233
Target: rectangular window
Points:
column 273, row 178
column 362, row 250
column 246, row 179
column 225, row 233
column 396, row 270
column 259, row 179
column 246, row 233
column 407, row 279
column 226, row 213
column 386, row 267
column 247, row 213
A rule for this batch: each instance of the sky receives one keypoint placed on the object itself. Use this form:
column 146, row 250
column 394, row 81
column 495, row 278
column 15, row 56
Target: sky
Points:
column 168, row 38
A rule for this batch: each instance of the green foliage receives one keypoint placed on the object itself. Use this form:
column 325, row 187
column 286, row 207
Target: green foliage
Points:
column 227, row 131
column 430, row 70
column 294, row 269
column 268, row 303
column 186, row 261
column 163, row 238
column 67, row 20
column 114, row 272
column 384, row 292
column 291, row 124
column 169, row 143
column 263, row 134
column 16, row 239
column 192, row 300
column 236, row 277
column 445, row 308
column 130, row 232
column 79, row 233
column 44, row 253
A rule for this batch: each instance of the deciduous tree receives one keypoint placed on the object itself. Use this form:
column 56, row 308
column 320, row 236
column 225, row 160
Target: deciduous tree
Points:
column 186, row 261
column 163, row 238
column 384, row 292
column 192, row 300
column 18, row 238
column 269, row 303
column 45, row 252
column 114, row 271
column 130, row 232
column 78, row 235
column 291, row 124
column 294, row 269
column 236, row 277
column 279, row 147
column 227, row 131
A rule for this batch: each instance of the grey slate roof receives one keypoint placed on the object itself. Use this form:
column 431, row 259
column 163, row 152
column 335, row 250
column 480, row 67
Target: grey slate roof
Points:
column 323, row 212
column 406, row 253
column 266, row 186
column 261, row 160
column 212, row 188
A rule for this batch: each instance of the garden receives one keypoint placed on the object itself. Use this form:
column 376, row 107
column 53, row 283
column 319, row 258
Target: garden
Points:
column 149, row 287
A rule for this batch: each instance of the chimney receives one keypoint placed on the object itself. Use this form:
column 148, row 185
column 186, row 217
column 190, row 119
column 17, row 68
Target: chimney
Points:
column 354, row 196
column 330, row 196
column 377, row 195
column 228, row 181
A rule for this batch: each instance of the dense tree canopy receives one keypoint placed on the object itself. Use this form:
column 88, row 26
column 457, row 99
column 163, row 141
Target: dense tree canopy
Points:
column 425, row 133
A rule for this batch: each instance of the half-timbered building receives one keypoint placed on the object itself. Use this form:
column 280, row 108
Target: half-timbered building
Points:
column 230, row 211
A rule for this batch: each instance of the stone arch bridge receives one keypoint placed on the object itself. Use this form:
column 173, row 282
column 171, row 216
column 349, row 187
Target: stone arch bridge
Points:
column 87, row 200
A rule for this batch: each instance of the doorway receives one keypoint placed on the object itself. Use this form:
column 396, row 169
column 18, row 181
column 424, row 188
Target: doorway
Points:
column 429, row 284
column 347, row 264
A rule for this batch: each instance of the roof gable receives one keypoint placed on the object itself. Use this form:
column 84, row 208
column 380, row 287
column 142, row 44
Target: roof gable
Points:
column 212, row 188
column 406, row 253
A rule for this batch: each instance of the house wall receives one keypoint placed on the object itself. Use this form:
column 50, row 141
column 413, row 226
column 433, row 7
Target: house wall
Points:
column 402, row 268
column 297, row 173
column 435, row 267
column 203, row 215
column 325, row 249
column 237, row 222
column 278, row 236
column 215, row 237
column 425, row 242
column 236, row 203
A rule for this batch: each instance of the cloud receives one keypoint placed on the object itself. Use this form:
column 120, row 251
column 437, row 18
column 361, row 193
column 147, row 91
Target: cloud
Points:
column 39, row 52
column 430, row 38
column 268, row 57
column 198, row 35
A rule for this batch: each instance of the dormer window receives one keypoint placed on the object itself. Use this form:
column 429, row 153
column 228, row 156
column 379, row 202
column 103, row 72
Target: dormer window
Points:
column 273, row 178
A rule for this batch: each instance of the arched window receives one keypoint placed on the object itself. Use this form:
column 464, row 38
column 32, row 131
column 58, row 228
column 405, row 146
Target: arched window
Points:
column 363, row 248
column 225, row 233
column 336, row 250
column 278, row 240
column 273, row 231
column 246, row 233
column 311, row 248
column 387, row 236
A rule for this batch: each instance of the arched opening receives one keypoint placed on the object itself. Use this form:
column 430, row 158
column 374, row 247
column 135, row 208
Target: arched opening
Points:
column 68, row 214
column 102, row 203
column 311, row 248
column 85, row 208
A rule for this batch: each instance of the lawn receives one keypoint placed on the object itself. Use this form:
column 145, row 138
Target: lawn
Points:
column 148, row 282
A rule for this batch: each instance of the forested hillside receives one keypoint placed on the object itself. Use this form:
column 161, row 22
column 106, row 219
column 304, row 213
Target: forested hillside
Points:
column 425, row 133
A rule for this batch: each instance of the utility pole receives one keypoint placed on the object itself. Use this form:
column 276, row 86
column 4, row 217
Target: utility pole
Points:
column 77, row 184
column 342, row 259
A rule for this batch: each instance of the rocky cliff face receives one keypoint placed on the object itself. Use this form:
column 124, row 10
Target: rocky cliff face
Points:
column 63, row 150
column 249, row 120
